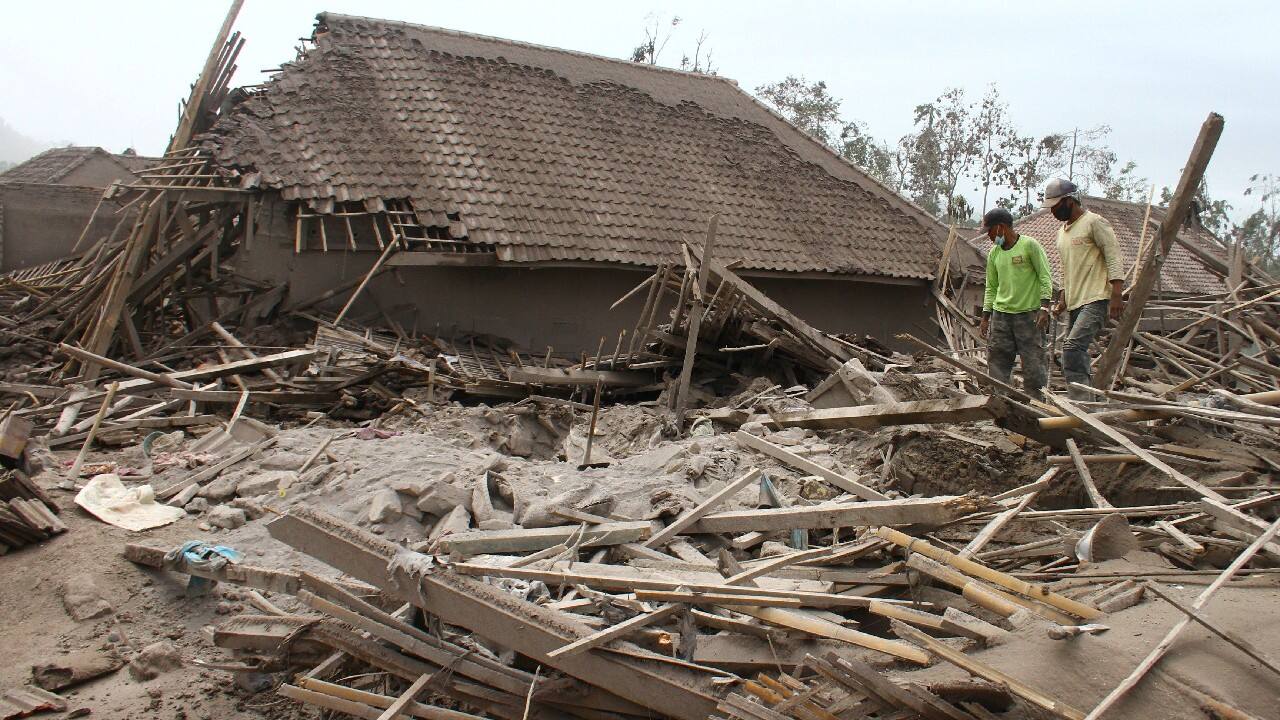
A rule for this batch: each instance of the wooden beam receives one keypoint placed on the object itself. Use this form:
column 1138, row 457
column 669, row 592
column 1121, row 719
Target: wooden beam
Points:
column 925, row 511
column 847, row 484
column 407, row 698
column 622, row 629
column 695, row 320
column 1086, row 478
column 556, row 376
column 692, row 515
column 995, row 577
column 812, row 624
column 1213, row 500
column 487, row 611
column 476, row 542
column 1145, row 282
column 972, row 408
column 690, row 597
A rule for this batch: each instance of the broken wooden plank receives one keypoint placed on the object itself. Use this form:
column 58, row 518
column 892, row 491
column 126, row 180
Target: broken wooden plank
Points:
column 490, row 612
column 583, row 377
column 477, row 542
column 810, row 623
column 847, row 484
column 972, row 408
column 622, row 629
column 691, row 516
column 278, row 397
column 1149, row 270
column 695, row 321
column 995, row 577
column 689, row 597
column 910, row 511
column 14, row 433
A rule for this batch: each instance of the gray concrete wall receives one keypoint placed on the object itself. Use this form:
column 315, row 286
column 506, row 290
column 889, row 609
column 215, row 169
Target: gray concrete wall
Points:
column 42, row 222
column 98, row 171
column 565, row 307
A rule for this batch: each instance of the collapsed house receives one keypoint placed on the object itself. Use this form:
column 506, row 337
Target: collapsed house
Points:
column 48, row 203
column 369, row 527
column 530, row 187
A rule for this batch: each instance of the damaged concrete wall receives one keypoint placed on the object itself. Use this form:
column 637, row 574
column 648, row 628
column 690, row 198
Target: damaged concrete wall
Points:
column 564, row 307
column 98, row 171
column 41, row 223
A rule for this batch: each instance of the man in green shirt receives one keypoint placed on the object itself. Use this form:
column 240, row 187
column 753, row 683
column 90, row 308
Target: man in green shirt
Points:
column 1015, row 309
column 1092, row 279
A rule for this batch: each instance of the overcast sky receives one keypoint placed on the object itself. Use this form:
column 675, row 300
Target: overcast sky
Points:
column 111, row 73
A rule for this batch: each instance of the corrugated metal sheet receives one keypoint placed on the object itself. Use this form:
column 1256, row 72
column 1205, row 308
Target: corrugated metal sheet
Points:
column 1181, row 274
column 553, row 155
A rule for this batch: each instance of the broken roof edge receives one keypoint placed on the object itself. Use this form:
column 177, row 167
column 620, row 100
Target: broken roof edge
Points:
column 742, row 270
column 522, row 44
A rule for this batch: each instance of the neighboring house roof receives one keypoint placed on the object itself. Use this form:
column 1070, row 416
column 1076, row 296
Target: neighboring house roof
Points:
column 553, row 155
column 53, row 166
column 1181, row 274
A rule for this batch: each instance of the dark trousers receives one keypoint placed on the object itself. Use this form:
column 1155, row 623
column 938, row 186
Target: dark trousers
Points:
column 1016, row 335
column 1084, row 325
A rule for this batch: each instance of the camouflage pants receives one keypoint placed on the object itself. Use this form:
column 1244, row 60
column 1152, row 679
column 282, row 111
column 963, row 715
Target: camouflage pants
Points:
column 1016, row 335
column 1086, row 322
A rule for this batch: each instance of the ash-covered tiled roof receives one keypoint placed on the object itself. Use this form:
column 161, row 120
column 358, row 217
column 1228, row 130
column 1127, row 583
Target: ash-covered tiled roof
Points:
column 553, row 155
column 1181, row 273
column 54, row 165
column 51, row 165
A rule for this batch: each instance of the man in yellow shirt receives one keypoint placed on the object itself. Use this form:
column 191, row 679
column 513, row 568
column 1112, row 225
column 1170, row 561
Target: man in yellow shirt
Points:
column 1092, row 279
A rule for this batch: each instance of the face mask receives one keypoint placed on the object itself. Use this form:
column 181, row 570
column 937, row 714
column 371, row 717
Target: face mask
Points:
column 1062, row 211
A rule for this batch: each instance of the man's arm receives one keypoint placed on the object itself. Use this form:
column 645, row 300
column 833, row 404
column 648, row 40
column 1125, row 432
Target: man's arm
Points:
column 1040, row 262
column 1044, row 273
column 1105, row 238
column 989, row 297
column 993, row 283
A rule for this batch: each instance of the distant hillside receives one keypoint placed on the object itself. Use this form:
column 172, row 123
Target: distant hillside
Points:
column 16, row 147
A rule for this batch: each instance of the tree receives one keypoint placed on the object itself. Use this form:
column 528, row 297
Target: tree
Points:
column 808, row 106
column 700, row 63
column 1031, row 161
column 1088, row 156
column 655, row 39
column 947, row 147
column 873, row 156
column 1125, row 184
column 1259, row 234
column 990, row 125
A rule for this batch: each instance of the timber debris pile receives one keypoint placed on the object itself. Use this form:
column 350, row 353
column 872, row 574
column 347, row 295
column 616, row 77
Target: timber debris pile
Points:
column 722, row 512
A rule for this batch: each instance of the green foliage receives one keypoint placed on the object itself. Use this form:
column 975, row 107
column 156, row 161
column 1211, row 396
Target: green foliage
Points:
column 808, row 106
column 1259, row 234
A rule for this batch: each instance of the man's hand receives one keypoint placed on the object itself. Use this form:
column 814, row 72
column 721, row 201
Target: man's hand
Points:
column 1042, row 319
column 984, row 327
column 1116, row 307
column 1060, row 306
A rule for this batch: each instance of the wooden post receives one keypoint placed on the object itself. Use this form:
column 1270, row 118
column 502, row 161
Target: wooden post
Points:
column 372, row 271
column 695, row 320
column 1145, row 280
column 191, row 112
column 93, row 430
